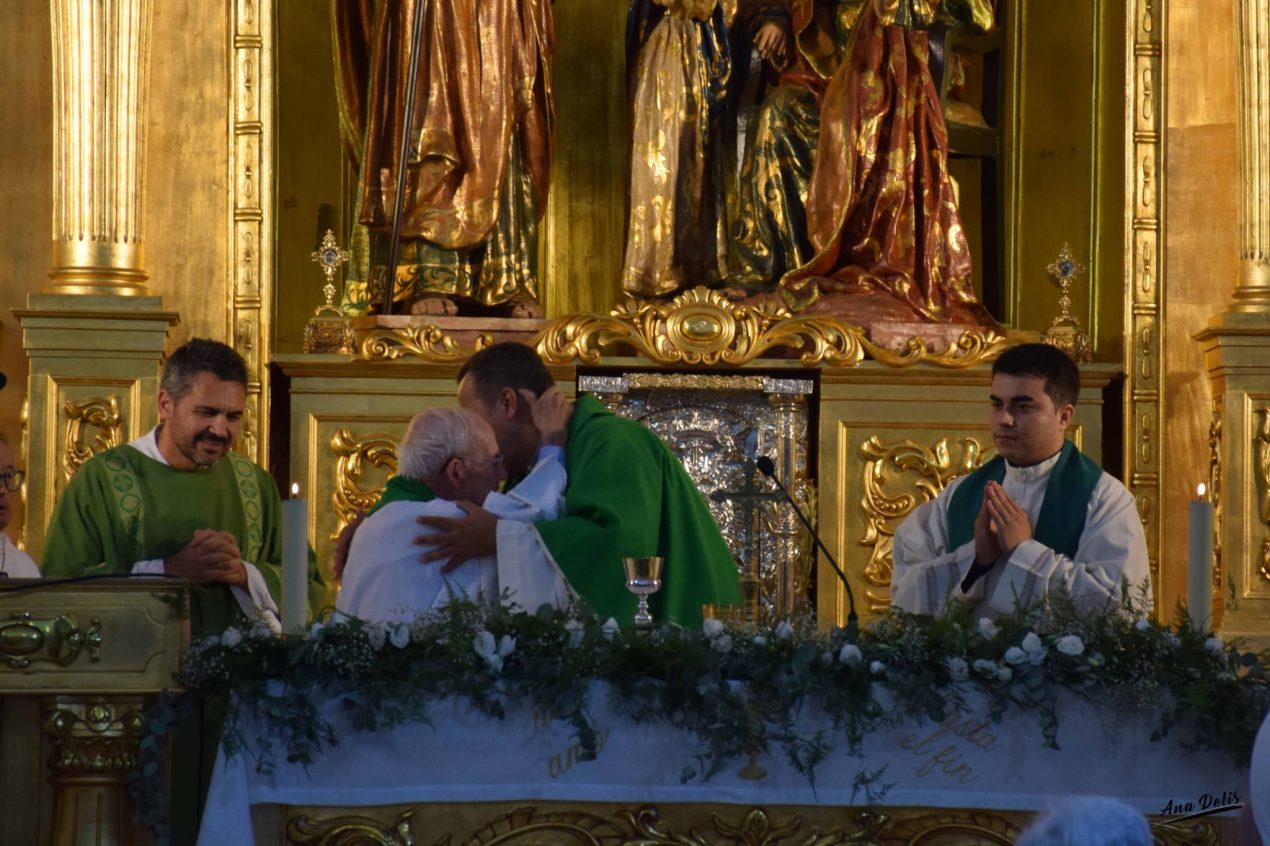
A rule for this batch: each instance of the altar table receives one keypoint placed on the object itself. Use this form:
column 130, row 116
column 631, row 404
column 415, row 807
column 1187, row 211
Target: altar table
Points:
column 966, row 762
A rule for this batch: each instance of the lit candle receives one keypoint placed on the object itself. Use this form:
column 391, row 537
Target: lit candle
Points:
column 295, row 562
column 1199, row 560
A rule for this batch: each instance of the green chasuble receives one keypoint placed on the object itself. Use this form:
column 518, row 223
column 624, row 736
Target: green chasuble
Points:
column 628, row 496
column 123, row 507
column 1062, row 517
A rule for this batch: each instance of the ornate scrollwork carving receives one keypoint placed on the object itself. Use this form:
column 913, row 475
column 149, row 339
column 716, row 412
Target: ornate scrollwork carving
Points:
column 25, row 639
column 379, row 449
column 96, row 413
column 756, row 828
column 94, row 736
column 702, row 326
column 304, row 830
column 1215, row 489
column 951, row 828
column 428, row 342
column 1198, row 833
column 883, row 511
column 1261, row 447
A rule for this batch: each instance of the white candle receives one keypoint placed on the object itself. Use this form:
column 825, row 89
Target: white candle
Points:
column 1199, row 560
column 295, row 563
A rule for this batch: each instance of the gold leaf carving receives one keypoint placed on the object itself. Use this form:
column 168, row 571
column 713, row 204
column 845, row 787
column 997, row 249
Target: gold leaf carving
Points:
column 531, row 827
column 702, row 326
column 351, row 830
column 93, row 426
column 952, row 828
column 354, row 452
column 885, row 503
column 756, row 828
column 1215, row 490
column 1195, row 833
column 428, row 342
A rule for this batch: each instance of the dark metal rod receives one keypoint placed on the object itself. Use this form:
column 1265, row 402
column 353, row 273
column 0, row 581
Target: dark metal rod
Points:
column 407, row 127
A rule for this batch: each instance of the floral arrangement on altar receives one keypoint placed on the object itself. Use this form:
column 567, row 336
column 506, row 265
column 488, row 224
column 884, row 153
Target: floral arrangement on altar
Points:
column 737, row 690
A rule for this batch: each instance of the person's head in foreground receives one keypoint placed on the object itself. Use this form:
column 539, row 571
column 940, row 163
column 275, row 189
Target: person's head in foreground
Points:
column 10, row 482
column 454, row 452
column 489, row 385
column 202, row 394
column 1088, row 821
column 1034, row 390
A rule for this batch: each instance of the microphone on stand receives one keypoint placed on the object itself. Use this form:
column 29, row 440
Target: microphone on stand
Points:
column 767, row 467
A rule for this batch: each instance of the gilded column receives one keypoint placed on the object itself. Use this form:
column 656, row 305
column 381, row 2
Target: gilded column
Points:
column 100, row 60
column 1253, row 22
column 1236, row 348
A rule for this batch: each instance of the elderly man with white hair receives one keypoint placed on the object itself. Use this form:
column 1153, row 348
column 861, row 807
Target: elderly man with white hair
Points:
column 449, row 458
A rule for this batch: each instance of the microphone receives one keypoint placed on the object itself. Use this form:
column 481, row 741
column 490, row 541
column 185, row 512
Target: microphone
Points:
column 767, row 467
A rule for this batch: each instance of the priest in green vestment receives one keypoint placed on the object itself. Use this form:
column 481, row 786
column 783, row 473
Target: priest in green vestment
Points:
column 1039, row 517
column 627, row 496
column 179, row 502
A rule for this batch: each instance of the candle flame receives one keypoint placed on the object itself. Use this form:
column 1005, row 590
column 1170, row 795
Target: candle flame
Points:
column 1201, row 490
column 295, row 489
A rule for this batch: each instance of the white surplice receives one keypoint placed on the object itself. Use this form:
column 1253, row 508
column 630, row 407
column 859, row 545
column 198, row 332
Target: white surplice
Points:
column 1112, row 548
column 14, row 563
column 384, row 579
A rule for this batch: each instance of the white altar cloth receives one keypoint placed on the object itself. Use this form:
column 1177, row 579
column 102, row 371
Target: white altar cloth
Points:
column 967, row 762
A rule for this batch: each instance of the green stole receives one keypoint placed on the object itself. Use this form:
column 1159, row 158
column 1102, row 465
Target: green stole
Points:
column 1062, row 518
column 401, row 489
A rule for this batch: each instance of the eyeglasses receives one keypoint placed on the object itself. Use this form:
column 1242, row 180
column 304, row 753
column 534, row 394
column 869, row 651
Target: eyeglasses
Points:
column 12, row 480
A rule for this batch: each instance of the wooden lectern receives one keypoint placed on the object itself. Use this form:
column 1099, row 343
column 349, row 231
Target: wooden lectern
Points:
column 92, row 654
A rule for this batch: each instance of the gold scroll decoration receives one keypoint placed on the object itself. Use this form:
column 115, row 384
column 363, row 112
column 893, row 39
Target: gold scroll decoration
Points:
column 698, row 327
column 354, row 452
column 428, row 342
column 303, row 830
column 886, row 504
column 25, row 639
column 97, row 415
column 1215, row 490
column 1261, row 447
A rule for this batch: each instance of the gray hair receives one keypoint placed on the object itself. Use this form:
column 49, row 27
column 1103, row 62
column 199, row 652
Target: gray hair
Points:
column 434, row 437
column 1089, row 821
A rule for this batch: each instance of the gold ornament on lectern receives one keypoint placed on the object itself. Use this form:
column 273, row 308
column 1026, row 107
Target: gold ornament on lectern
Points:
column 329, row 330
column 1065, row 331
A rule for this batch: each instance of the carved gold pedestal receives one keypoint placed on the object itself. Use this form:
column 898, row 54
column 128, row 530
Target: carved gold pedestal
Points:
column 1237, row 357
column 94, row 376
column 95, row 745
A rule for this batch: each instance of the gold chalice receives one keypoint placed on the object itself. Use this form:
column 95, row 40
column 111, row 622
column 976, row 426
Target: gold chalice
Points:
column 643, row 578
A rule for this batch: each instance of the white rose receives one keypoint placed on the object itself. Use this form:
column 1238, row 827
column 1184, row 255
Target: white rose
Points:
column 987, row 628
column 759, row 640
column 784, row 630
column 712, row 628
column 1070, row 645
column 315, row 630
column 1142, row 625
column 723, row 644
column 826, row 659
column 506, row 645
column 610, row 628
column 576, row 632
column 986, row 667
column 877, row 668
column 1215, row 645
column 231, row 637
column 399, row 635
column 1005, row 674
column 485, row 646
column 1032, row 644
column 850, row 654
column 958, row 668
column 1014, row 655
column 377, row 633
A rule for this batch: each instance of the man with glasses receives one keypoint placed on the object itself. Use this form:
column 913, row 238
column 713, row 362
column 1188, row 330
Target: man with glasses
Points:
column 448, row 461
column 14, row 563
